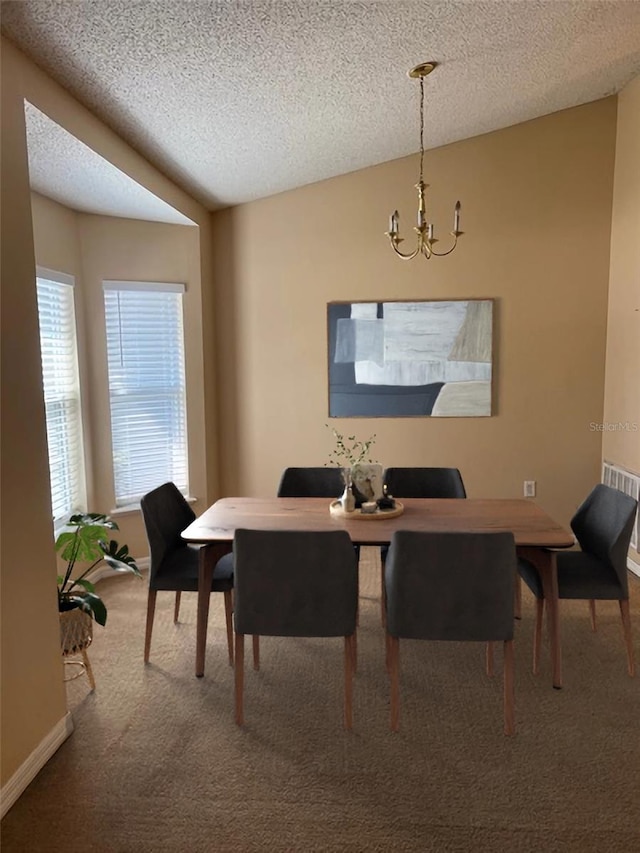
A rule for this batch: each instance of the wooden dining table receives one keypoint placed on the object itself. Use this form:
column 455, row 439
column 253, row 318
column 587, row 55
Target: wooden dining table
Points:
column 535, row 534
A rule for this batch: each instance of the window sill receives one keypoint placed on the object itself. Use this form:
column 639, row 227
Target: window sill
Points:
column 131, row 509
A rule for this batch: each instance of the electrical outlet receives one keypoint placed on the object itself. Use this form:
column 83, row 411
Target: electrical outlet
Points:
column 529, row 488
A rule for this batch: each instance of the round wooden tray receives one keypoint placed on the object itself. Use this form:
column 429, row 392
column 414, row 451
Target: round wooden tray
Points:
column 358, row 515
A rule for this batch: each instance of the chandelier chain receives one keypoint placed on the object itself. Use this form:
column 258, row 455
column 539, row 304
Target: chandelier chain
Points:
column 421, row 127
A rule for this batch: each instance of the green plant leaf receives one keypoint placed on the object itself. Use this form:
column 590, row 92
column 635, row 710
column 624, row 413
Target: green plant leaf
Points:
column 83, row 545
column 88, row 602
column 119, row 558
column 119, row 566
column 84, row 519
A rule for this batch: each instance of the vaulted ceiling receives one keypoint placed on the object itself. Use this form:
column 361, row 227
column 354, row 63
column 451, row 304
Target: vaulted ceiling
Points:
column 241, row 99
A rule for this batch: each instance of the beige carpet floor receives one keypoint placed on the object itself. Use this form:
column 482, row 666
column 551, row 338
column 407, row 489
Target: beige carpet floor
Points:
column 156, row 762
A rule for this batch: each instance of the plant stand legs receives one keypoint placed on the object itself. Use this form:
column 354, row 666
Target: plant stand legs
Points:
column 84, row 668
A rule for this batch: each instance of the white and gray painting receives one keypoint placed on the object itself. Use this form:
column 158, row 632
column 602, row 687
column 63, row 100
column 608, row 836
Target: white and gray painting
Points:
column 411, row 358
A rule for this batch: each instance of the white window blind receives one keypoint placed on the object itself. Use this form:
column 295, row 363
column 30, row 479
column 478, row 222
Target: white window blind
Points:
column 61, row 384
column 145, row 353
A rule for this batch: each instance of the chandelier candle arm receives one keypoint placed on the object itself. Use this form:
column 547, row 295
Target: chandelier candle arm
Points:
column 424, row 229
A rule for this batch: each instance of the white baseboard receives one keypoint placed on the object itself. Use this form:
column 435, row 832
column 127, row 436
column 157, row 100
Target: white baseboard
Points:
column 29, row 769
column 633, row 566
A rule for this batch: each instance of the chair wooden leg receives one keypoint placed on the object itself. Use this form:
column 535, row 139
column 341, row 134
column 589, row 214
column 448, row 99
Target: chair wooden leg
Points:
column 394, row 675
column 537, row 635
column 239, row 678
column 517, row 598
column 489, row 658
column 176, row 607
column 509, row 689
column 228, row 612
column 88, row 669
column 151, row 609
column 348, row 681
column 354, row 651
column 256, row 651
column 626, row 627
column 592, row 613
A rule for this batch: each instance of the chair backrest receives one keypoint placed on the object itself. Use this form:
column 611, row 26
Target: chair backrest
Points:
column 311, row 483
column 424, row 483
column 166, row 514
column 603, row 525
column 451, row 586
column 295, row 583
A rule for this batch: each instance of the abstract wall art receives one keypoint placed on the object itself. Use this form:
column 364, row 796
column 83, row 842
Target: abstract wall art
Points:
column 429, row 358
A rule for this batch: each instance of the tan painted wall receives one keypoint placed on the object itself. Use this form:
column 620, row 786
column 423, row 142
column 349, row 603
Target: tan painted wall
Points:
column 536, row 211
column 33, row 698
column 622, row 381
column 56, row 237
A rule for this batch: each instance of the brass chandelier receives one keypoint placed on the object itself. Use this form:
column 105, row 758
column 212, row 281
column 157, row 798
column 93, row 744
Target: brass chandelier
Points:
column 423, row 229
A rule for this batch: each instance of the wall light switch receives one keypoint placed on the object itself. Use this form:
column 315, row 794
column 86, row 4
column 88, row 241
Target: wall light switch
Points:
column 529, row 488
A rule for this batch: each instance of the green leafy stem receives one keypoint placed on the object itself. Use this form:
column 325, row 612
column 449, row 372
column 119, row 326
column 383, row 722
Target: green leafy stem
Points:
column 350, row 450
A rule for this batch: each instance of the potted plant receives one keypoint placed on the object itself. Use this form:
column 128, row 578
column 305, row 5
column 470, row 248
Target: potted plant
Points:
column 85, row 540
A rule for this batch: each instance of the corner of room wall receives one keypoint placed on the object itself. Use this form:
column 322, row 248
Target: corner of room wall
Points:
column 33, row 696
column 621, row 424
column 33, row 706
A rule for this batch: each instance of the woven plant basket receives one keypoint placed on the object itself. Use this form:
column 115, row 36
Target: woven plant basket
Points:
column 76, row 631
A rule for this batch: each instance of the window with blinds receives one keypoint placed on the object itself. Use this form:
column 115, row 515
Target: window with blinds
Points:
column 147, row 390
column 58, row 348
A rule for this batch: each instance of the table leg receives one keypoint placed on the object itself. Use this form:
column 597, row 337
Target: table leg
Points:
column 545, row 562
column 209, row 556
column 549, row 576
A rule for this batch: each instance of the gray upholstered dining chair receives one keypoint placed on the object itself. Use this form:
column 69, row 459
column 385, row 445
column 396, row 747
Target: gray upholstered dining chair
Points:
column 451, row 586
column 174, row 563
column 294, row 584
column 418, row 483
column 424, row 483
column 602, row 525
column 311, row 483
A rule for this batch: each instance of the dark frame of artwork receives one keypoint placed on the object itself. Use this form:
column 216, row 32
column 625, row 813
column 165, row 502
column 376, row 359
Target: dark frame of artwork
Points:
column 400, row 359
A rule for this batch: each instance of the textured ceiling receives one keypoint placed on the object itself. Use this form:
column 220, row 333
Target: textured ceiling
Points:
column 242, row 99
column 66, row 170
